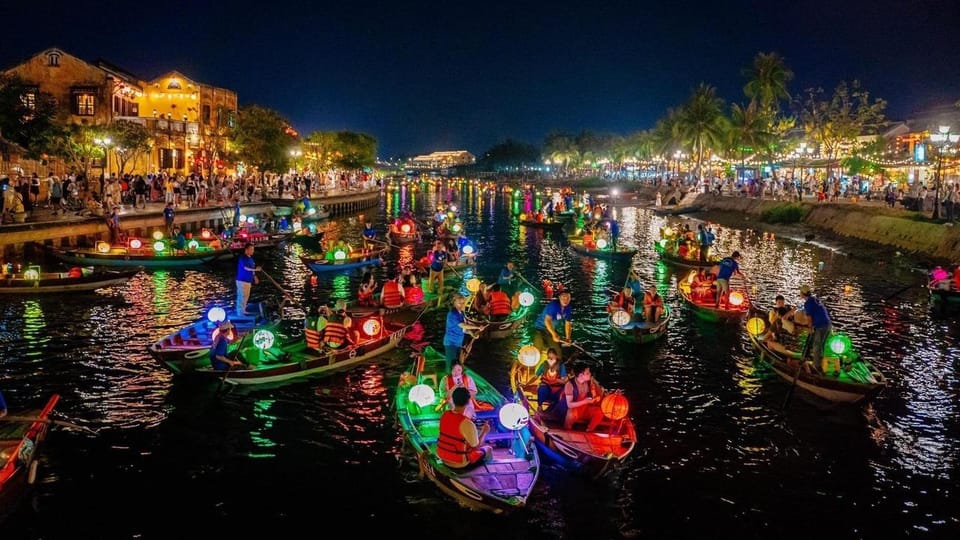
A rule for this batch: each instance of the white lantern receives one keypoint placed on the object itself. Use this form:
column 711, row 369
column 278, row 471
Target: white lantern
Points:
column 103, row 247
column 371, row 327
column 526, row 299
column 620, row 317
column 468, row 249
column 216, row 314
column 422, row 395
column 251, row 220
column 529, row 355
column 136, row 243
column 263, row 339
column 514, row 416
column 159, row 245
column 602, row 243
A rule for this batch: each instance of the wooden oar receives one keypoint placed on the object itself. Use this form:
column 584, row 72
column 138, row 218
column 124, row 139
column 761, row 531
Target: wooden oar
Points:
column 803, row 361
column 32, row 419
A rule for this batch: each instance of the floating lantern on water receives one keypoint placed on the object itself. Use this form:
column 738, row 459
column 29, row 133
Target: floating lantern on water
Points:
column 756, row 326
column 847, row 289
column 838, row 344
column 736, row 298
column 615, row 406
column 526, row 299
column 371, row 327
column 263, row 339
column 602, row 243
column 339, row 255
column 620, row 317
column 422, row 395
column 159, row 246
column 216, row 314
column 103, row 247
column 528, row 356
column 158, row 235
column 136, row 243
column 514, row 416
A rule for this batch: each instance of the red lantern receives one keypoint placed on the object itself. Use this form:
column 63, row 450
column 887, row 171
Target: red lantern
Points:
column 615, row 406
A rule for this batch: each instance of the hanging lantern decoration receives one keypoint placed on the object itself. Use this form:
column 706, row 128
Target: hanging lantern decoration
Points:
column 159, row 245
column 838, row 344
column 422, row 395
column 371, row 327
column 620, row 317
column 405, row 228
column 136, row 243
column 216, row 314
column 158, row 235
column 263, row 339
column 756, row 326
column 193, row 244
column 736, row 298
column 528, row 356
column 103, row 247
column 526, row 299
column 473, row 285
column 339, row 255
column 602, row 243
column 514, row 416
column 615, row 406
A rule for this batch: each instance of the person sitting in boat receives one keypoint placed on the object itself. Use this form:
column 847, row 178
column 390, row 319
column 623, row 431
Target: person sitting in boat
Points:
column 623, row 300
column 772, row 342
column 369, row 235
column 701, row 288
column 588, row 241
column 554, row 325
column 507, row 275
column 368, row 286
column 940, row 279
column 458, row 379
column 652, row 306
column 179, row 239
column 218, row 349
column 412, row 291
column 498, row 305
column 781, row 317
column 338, row 332
column 459, row 445
column 684, row 250
column 581, row 401
column 313, row 326
column 553, row 377
column 392, row 294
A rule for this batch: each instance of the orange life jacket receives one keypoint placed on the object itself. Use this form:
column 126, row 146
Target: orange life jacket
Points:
column 500, row 303
column 551, row 377
column 649, row 300
column 313, row 338
column 451, row 446
column 390, row 297
column 335, row 334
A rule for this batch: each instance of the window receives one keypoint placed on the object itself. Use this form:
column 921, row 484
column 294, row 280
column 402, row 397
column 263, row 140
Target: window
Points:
column 205, row 114
column 29, row 97
column 174, row 84
column 53, row 59
column 83, row 104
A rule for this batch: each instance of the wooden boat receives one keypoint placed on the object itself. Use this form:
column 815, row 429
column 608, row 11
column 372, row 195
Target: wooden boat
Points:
column 319, row 213
column 259, row 239
column 20, row 444
column 592, row 453
column 553, row 226
column 33, row 281
column 501, row 484
column 637, row 330
column 143, row 254
column 705, row 307
column 185, row 345
column 676, row 210
column 671, row 257
column 500, row 327
column 944, row 297
column 407, row 233
column 856, row 382
column 269, row 358
column 621, row 254
column 357, row 259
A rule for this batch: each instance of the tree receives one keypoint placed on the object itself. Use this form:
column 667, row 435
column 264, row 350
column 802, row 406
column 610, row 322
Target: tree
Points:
column 261, row 139
column 767, row 80
column 701, row 124
column 561, row 150
column 840, row 120
column 320, row 148
column 510, row 154
column 748, row 130
column 27, row 116
column 76, row 147
column 131, row 141
column 355, row 150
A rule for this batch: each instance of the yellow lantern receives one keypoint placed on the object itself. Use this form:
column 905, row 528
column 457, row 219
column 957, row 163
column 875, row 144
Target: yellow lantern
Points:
column 756, row 326
column 473, row 285
column 529, row 356
column 31, row 274
column 103, row 247
column 158, row 235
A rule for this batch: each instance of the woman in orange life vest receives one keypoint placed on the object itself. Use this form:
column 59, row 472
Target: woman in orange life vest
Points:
column 459, row 445
column 412, row 291
column 391, row 296
column 338, row 332
column 367, row 287
column 588, row 241
column 684, row 250
column 458, row 379
column 553, row 377
column 623, row 300
column 313, row 326
column 701, row 289
column 581, row 401
column 652, row 305
column 498, row 305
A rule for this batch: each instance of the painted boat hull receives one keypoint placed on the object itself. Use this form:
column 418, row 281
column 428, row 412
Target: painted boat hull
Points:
column 710, row 313
column 319, row 264
column 180, row 349
column 681, row 261
column 504, row 483
column 59, row 283
column 944, row 296
column 21, row 444
column 139, row 258
column 555, row 226
column 400, row 238
column 641, row 332
column 621, row 255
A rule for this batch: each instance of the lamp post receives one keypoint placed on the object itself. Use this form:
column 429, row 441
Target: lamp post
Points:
column 943, row 139
column 104, row 143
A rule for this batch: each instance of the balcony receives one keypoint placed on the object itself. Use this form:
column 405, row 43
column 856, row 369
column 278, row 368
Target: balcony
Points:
column 163, row 125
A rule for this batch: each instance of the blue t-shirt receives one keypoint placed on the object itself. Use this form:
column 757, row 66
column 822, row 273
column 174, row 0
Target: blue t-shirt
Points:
column 436, row 262
column 243, row 263
column 727, row 267
column 369, row 232
column 636, row 287
column 614, row 229
column 817, row 312
column 168, row 213
column 180, row 241
column 557, row 313
column 542, row 368
column 3, row 403
column 506, row 277
column 454, row 334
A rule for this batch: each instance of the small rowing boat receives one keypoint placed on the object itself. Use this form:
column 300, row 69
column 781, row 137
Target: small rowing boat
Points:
column 20, row 443
column 553, row 226
column 703, row 303
column 137, row 252
column 340, row 260
column 33, row 281
column 603, row 251
column 672, row 257
column 631, row 328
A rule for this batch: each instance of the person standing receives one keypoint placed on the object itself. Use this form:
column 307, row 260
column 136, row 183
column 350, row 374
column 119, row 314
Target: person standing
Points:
column 168, row 214
column 456, row 330
column 728, row 267
column 705, row 237
column 554, row 326
column 816, row 312
column 246, row 277
column 113, row 223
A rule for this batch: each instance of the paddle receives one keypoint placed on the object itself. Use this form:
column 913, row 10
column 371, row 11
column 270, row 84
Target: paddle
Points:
column 30, row 420
column 803, row 360
column 583, row 351
column 531, row 285
column 234, row 357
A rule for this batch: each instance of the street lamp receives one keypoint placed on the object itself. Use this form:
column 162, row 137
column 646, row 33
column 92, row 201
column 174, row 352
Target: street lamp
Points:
column 104, row 143
column 943, row 139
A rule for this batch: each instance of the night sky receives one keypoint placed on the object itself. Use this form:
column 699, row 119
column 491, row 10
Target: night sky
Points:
column 423, row 77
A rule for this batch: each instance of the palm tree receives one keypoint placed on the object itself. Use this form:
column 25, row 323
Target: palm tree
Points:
column 702, row 125
column 748, row 129
column 767, row 82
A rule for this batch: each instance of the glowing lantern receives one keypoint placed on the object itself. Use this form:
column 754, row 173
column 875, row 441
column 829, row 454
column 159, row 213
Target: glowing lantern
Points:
column 135, row 243
column 620, row 317
column 663, row 243
column 456, row 227
column 405, row 228
column 311, row 211
column 468, row 249
column 263, row 339
column 422, row 395
column 529, row 356
column 216, row 314
column 103, row 247
column 339, row 255
column 473, row 285
column 847, row 289
column 615, row 406
column 453, row 208
column 602, row 243
column 514, row 416
column 668, row 231
column 526, row 299
column 371, row 327
column 243, row 218
column 838, row 344
column 251, row 220
column 736, row 298
column 32, row 274
column 159, row 246
column 756, row 326
column 158, row 235
column 193, row 244
column 206, row 234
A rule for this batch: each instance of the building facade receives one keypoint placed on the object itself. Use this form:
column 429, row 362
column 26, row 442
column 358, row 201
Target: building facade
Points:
column 442, row 160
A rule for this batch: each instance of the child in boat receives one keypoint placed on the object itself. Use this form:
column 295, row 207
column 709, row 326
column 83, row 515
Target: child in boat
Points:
column 553, row 377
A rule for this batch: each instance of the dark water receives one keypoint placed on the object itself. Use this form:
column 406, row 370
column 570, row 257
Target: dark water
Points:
column 717, row 456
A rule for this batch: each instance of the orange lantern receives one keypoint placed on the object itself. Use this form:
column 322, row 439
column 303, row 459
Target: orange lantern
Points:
column 405, row 228
column 736, row 298
column 615, row 406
